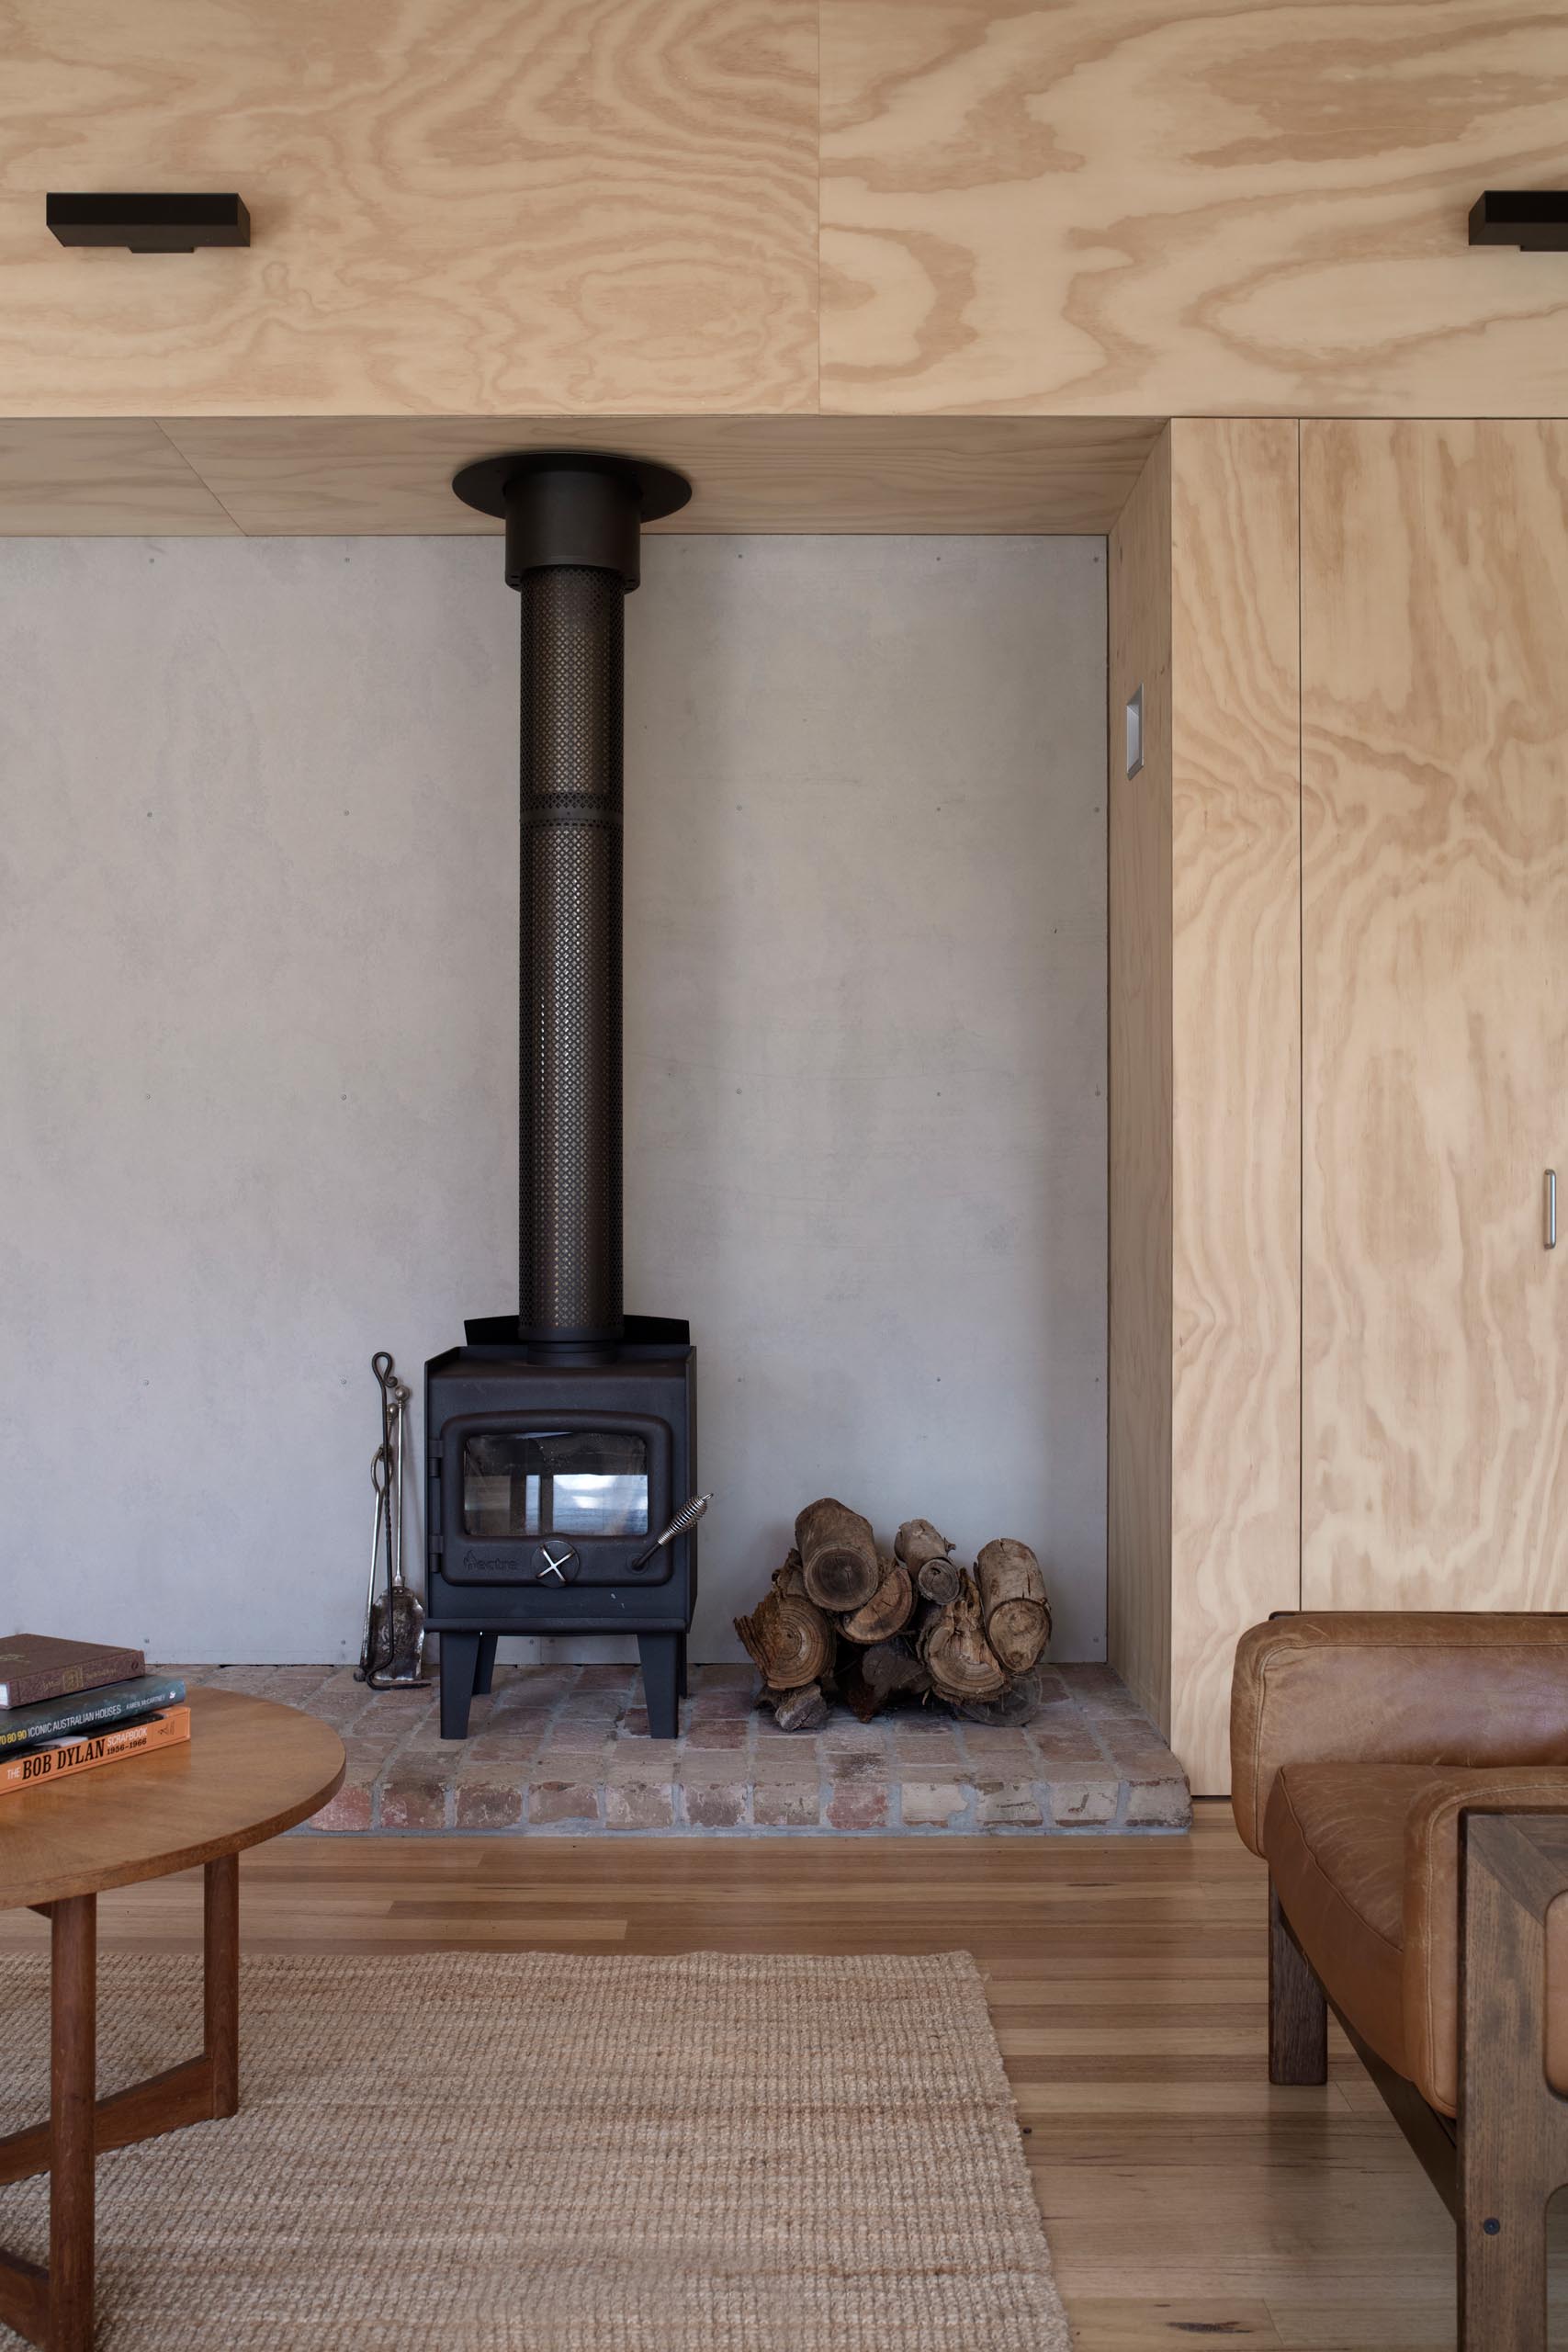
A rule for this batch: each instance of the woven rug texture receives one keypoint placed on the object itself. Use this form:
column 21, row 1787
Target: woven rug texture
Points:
column 478, row 2152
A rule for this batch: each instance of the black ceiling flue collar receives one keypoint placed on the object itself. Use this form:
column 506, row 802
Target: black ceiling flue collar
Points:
column 1535, row 220
column 148, row 224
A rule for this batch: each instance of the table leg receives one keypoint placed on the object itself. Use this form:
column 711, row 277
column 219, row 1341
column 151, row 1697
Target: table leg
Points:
column 73, row 2073
column 220, row 1980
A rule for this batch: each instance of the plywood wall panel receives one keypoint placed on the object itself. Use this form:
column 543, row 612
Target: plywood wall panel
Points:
column 1235, row 882
column 1098, row 205
column 458, row 205
column 1435, row 616
column 1205, row 1097
column 1139, row 1621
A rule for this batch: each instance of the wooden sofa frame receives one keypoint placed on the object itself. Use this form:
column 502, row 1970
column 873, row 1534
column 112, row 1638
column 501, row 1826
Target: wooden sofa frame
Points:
column 1497, row 2165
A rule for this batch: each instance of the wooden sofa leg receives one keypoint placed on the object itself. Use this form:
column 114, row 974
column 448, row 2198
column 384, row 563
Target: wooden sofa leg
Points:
column 1298, row 2008
column 1513, row 2129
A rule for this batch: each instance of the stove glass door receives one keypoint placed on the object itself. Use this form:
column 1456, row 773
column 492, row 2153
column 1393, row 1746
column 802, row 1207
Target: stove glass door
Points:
column 554, row 1482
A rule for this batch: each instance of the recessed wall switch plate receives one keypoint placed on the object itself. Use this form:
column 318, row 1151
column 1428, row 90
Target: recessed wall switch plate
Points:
column 1135, row 733
column 148, row 224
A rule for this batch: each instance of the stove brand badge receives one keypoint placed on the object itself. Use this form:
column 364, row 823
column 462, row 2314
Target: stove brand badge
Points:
column 495, row 1563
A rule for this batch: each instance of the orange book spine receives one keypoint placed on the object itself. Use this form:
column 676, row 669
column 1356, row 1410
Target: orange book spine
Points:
column 66, row 1757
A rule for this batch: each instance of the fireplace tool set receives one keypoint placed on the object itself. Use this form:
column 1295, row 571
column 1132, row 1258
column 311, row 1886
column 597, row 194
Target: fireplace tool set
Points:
column 391, row 1654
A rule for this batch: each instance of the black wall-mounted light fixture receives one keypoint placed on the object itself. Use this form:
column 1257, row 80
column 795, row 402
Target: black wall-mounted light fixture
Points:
column 148, row 224
column 1535, row 220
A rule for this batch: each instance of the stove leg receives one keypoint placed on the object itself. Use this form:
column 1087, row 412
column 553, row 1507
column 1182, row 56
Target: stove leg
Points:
column 682, row 1687
column 660, row 1656
column 459, row 1666
column 484, row 1673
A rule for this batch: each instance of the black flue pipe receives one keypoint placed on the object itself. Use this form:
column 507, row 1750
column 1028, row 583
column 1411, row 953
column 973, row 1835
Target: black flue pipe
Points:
column 574, row 525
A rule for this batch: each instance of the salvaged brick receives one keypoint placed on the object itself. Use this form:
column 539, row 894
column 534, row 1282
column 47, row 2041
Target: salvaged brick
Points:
column 851, row 1739
column 290, row 1683
column 709, row 1765
column 1007, row 1805
column 1159, row 1805
column 1099, row 1692
column 717, row 1735
column 506, row 1753
column 793, row 1760
column 651, row 1761
column 1080, row 1805
column 858, row 1804
column 350, row 1809
column 551, row 1681
column 981, row 1739
column 785, row 1804
column 568, row 1748
column 552, row 1802
column 1136, row 1750
column 413, row 1804
column 606, row 1678
column 639, row 1804
column 922, row 1737
column 574, row 1741
column 488, row 1804
column 933, row 1804
column 716, row 1804
column 1066, row 1753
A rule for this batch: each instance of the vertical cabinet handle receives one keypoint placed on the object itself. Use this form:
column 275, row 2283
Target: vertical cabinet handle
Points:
column 1548, row 1207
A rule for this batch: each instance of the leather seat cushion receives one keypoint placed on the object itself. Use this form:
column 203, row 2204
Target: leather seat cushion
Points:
column 1333, row 1834
column 1366, row 1859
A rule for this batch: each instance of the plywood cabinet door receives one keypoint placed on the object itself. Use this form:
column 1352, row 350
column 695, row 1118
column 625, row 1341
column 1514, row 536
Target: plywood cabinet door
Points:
column 1435, row 1013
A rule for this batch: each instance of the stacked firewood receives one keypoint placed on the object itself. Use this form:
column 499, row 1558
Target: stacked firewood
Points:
column 842, row 1619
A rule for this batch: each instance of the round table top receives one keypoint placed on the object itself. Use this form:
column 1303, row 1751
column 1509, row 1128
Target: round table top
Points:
column 249, row 1769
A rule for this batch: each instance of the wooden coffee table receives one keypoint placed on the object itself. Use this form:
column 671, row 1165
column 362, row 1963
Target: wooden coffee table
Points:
column 251, row 1770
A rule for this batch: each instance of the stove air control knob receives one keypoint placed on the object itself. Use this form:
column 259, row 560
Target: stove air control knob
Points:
column 559, row 1563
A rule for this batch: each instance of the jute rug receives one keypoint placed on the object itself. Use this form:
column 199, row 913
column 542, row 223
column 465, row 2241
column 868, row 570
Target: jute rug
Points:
column 474, row 2152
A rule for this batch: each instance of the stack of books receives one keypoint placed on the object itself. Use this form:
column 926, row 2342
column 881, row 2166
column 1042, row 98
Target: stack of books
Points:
column 67, row 1707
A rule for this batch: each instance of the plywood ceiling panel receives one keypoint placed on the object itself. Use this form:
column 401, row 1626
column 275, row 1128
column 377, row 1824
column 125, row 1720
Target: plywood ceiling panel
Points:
column 387, row 477
column 457, row 206
column 1158, row 205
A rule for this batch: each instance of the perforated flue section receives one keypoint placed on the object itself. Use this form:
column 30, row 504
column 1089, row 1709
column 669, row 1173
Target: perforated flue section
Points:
column 570, row 1229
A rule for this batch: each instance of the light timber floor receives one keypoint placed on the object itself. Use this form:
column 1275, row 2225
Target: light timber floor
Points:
column 1187, row 2202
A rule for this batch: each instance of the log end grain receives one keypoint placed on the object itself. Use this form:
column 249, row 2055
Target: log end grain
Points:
column 1013, row 1607
column 960, row 1661
column 838, row 1555
column 917, row 1541
column 888, row 1610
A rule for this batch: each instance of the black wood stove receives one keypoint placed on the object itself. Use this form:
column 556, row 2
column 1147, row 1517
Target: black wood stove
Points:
column 561, row 1441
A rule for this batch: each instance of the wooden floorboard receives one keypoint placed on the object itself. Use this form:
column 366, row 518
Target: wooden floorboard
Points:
column 1187, row 2202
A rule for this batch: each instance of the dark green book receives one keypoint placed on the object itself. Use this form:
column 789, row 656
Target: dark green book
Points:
column 54, row 1718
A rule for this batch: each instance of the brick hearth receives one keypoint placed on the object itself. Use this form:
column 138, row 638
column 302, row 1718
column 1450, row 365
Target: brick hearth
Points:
column 564, row 1751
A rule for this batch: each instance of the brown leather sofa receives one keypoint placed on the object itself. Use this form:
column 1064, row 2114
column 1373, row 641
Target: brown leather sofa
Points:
column 1364, row 1748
